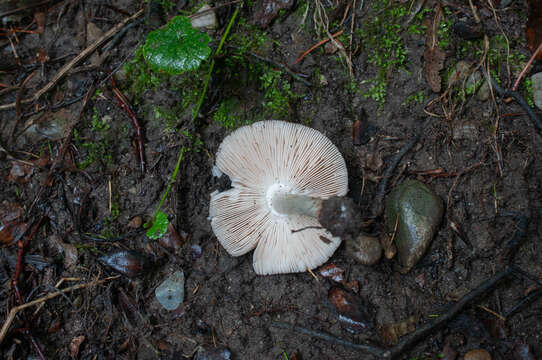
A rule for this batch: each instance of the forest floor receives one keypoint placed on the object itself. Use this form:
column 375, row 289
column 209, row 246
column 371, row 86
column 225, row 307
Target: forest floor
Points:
column 72, row 180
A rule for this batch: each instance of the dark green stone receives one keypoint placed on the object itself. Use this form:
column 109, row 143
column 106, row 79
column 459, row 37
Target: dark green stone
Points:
column 420, row 212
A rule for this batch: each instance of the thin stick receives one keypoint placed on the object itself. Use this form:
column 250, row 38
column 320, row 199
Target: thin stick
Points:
column 275, row 64
column 526, row 67
column 13, row 312
column 382, row 187
column 319, row 43
column 426, row 329
column 125, row 105
column 415, row 336
column 332, row 339
column 64, row 70
column 520, row 100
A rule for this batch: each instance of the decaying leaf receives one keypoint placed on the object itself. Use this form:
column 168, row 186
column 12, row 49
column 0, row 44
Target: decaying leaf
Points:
column 126, row 262
column 333, row 272
column 75, row 344
column 533, row 32
column 22, row 172
column 11, row 222
column 433, row 55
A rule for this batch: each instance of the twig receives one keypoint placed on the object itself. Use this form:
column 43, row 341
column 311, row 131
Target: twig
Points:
column 382, row 187
column 13, row 312
column 319, row 43
column 519, row 99
column 275, row 64
column 512, row 246
column 64, row 70
column 415, row 336
column 426, row 329
column 332, row 339
column 526, row 67
column 125, row 105
column 67, row 102
column 22, row 8
column 15, row 280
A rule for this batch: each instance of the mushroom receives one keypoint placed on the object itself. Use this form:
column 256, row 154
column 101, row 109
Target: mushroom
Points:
column 280, row 174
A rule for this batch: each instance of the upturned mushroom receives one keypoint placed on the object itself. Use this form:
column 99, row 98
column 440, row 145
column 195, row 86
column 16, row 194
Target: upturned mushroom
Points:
column 280, row 175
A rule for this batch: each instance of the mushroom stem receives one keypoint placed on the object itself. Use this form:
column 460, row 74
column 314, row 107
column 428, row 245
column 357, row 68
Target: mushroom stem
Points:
column 282, row 201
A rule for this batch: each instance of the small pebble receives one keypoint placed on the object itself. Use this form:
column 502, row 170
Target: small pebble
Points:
column 135, row 223
column 537, row 89
column 477, row 354
column 365, row 249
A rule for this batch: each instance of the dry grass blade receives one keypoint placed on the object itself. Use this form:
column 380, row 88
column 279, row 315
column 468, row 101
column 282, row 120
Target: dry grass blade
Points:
column 13, row 312
column 66, row 68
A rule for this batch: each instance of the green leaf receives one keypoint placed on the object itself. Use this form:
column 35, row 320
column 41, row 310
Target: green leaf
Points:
column 176, row 48
column 159, row 226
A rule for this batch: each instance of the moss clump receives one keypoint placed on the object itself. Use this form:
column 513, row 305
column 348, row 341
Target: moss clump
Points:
column 381, row 38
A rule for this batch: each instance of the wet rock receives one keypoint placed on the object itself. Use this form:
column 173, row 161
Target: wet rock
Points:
column 136, row 222
column 352, row 311
column 126, row 262
column 213, row 353
column 365, row 249
column 420, row 212
column 523, row 352
column 537, row 89
column 206, row 21
column 477, row 354
column 170, row 293
column 268, row 10
column 476, row 84
column 460, row 72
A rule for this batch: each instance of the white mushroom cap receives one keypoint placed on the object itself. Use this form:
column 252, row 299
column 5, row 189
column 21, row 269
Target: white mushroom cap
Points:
column 280, row 173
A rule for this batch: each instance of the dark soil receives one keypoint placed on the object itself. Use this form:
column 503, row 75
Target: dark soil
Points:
column 226, row 303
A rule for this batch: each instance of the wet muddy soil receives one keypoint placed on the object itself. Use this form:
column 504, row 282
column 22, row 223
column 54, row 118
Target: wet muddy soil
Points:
column 480, row 155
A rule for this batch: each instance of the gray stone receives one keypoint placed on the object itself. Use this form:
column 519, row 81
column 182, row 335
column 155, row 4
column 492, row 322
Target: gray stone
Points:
column 420, row 212
column 365, row 249
column 170, row 293
column 537, row 89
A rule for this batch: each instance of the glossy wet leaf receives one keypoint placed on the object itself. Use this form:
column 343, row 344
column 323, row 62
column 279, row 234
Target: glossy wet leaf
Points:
column 159, row 226
column 11, row 224
column 126, row 262
column 177, row 47
column 172, row 239
column 352, row 311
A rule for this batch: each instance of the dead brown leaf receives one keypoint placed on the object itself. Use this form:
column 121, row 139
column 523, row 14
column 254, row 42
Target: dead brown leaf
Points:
column 75, row 344
column 433, row 55
column 11, row 224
